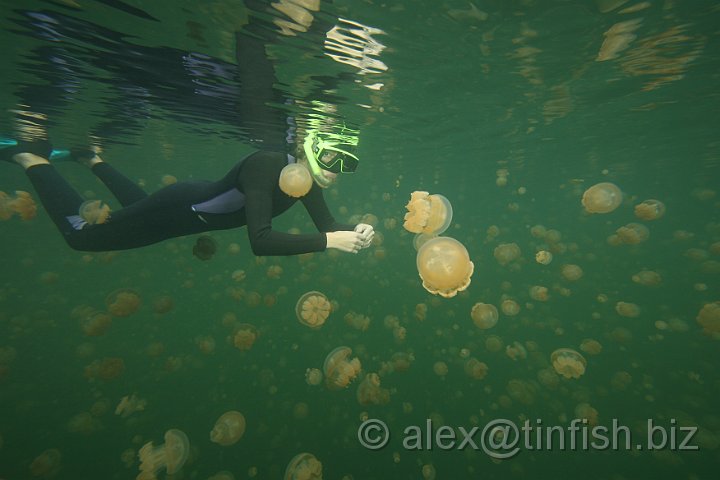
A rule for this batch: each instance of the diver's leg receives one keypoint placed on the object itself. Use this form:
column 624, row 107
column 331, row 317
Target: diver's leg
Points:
column 125, row 190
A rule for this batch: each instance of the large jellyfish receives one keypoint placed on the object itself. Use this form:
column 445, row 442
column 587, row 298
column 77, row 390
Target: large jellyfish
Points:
column 444, row 266
column 171, row 455
column 303, row 466
column 313, row 309
column 427, row 213
column 339, row 369
column 295, row 180
column 602, row 198
column 568, row 363
column 228, row 429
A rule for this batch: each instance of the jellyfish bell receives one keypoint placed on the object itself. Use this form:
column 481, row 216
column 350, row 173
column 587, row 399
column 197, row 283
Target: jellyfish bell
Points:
column 602, row 198
column 650, row 210
column 427, row 213
column 484, row 315
column 444, row 266
column 295, row 180
column 568, row 363
column 303, row 466
column 313, row 309
column 421, row 238
column 171, row 455
column 94, row 212
column 228, row 429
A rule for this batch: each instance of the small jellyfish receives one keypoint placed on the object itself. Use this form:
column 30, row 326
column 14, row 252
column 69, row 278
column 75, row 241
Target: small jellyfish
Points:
column 313, row 376
column 428, row 472
column 543, row 257
column 627, row 309
column 122, row 302
column 444, row 266
column 568, row 363
column 709, row 319
column 650, row 210
column 427, row 213
column 539, row 293
column 245, row 336
column 440, row 369
column 339, row 369
column 170, row 456
column 24, row 205
column 295, row 180
column 313, row 309
column 510, row 307
column 129, row 405
column 163, row 304
column 357, row 321
column 506, row 253
column 303, row 466
column 47, row 464
column 205, row 247
column 632, row 233
column 571, row 273
column 647, row 278
column 475, row 369
column 591, row 347
column 369, row 391
column 96, row 324
column 484, row 315
column 228, row 429
column 94, row 212
column 602, row 198
column 516, row 351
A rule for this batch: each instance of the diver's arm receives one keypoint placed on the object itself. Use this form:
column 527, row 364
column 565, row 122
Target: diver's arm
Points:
column 316, row 206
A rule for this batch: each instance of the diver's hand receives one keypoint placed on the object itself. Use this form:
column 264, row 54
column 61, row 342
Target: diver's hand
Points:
column 367, row 233
column 345, row 241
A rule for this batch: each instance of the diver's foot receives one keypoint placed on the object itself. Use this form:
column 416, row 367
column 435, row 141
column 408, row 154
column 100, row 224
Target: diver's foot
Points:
column 38, row 148
column 87, row 156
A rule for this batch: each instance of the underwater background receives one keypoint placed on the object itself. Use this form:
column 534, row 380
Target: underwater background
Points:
column 510, row 109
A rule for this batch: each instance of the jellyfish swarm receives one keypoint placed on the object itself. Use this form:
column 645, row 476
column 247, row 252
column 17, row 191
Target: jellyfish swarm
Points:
column 303, row 466
column 205, row 247
column 295, row 180
column 427, row 213
column 171, row 455
column 602, row 198
column 568, row 363
column 312, row 309
column 228, row 429
column 444, row 266
column 339, row 369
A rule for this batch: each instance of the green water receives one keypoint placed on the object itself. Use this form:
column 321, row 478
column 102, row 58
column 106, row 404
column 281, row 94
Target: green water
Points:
column 470, row 89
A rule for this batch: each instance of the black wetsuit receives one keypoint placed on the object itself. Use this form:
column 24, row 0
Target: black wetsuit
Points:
column 248, row 195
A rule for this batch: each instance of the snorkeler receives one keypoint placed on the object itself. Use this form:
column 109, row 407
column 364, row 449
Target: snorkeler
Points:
column 249, row 194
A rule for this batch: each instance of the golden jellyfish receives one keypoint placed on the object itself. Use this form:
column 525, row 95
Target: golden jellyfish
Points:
column 94, row 212
column 647, row 278
column 420, row 311
column 163, row 304
column 475, row 369
column 516, row 351
column 96, row 324
column 313, row 309
column 295, row 180
column 205, row 343
column 440, row 369
column 223, row 475
column 709, row 319
column 369, row 391
column 245, row 336
column 83, row 423
column 548, row 378
column 313, row 376
column 129, row 405
column 106, row 369
column 421, row 238
column 357, row 321
column 274, row 272
column 510, row 307
column 6, row 211
column 24, row 205
column 632, row 233
column 171, row 455
column 506, row 253
column 543, row 257
column 571, row 273
column 539, row 293
column 205, row 247
column 568, row 363
column 650, row 210
column 484, row 315
column 340, row 370
column 228, row 429
column 444, row 266
column 602, row 198
column 47, row 464
column 427, row 213
column 585, row 411
column 591, row 347
column 493, row 343
column 303, row 466
column 620, row 380
column 627, row 309
column 122, row 302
